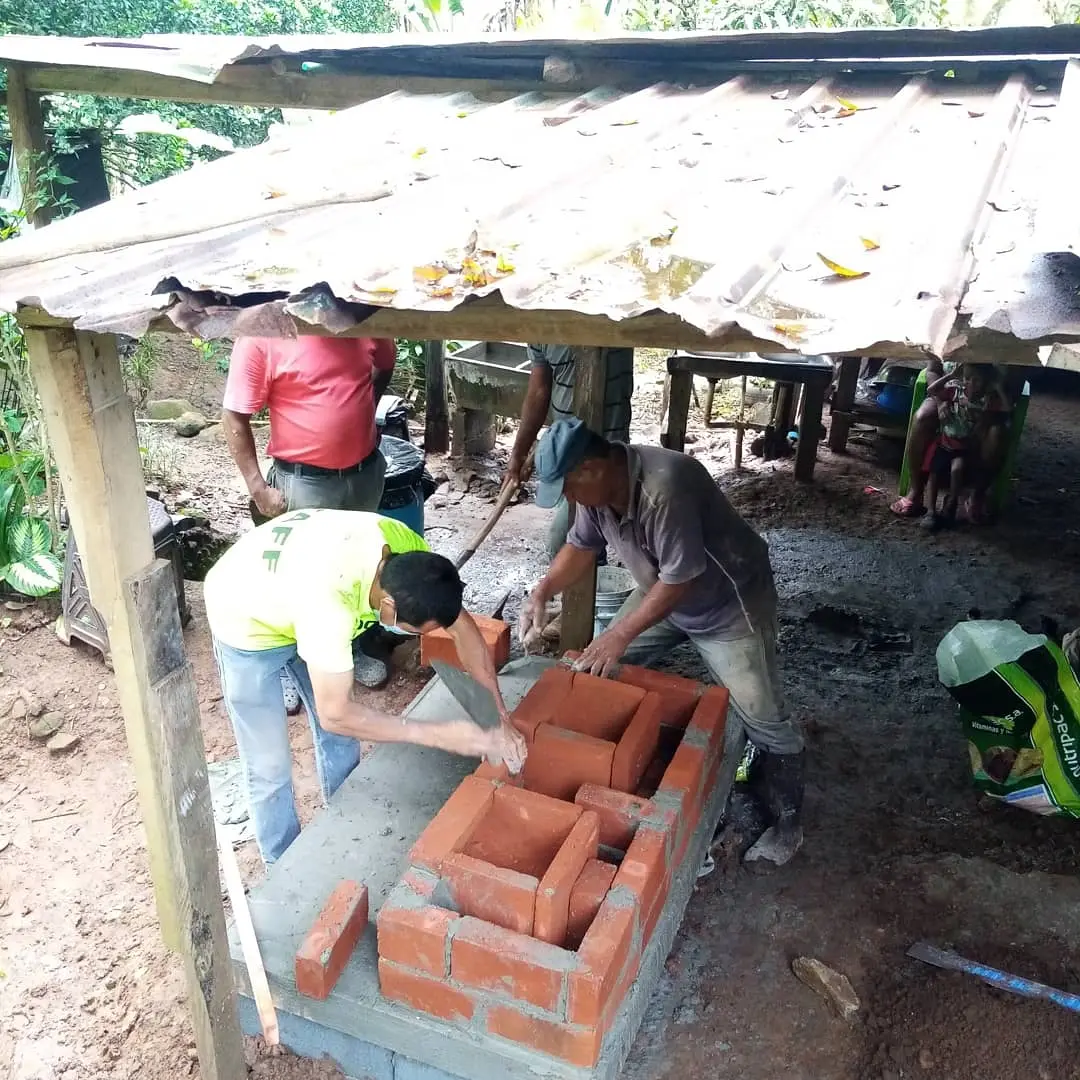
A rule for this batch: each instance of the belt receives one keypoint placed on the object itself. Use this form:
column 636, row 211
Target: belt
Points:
column 296, row 468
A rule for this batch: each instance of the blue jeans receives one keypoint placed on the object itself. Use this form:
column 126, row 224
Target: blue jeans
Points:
column 251, row 686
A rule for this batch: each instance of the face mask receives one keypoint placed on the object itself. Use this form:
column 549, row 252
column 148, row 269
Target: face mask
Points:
column 393, row 629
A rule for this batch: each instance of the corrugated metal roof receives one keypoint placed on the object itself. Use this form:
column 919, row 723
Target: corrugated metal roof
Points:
column 713, row 206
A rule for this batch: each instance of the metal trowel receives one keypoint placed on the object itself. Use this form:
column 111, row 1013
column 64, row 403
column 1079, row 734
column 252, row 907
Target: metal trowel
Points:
column 475, row 699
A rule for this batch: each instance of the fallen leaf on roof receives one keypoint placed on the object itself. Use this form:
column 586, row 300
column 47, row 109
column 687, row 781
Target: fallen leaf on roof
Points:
column 794, row 263
column 462, row 115
column 442, row 292
column 841, row 269
column 869, row 243
column 420, row 151
column 841, row 113
column 431, row 272
column 952, row 101
column 976, row 113
column 623, row 123
column 272, row 193
column 664, row 238
column 785, row 138
column 845, row 104
column 793, row 330
column 781, row 95
column 474, row 273
column 889, row 187
column 504, row 265
column 1005, row 203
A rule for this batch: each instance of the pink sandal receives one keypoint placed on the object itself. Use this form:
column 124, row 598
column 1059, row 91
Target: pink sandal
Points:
column 905, row 508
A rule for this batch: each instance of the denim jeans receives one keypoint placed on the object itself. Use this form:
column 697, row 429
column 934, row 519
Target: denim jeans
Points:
column 251, row 686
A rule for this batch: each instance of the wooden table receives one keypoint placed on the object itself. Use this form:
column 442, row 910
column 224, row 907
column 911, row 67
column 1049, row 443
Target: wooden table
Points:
column 813, row 373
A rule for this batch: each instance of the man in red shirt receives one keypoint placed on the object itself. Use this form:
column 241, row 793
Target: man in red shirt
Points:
column 322, row 394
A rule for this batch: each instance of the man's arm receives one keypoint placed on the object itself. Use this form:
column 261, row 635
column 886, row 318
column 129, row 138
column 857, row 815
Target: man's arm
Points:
column 475, row 657
column 241, row 443
column 384, row 357
column 533, row 414
column 341, row 713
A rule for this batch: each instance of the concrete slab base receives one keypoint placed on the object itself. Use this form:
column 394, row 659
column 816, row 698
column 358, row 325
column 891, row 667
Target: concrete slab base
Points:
column 365, row 835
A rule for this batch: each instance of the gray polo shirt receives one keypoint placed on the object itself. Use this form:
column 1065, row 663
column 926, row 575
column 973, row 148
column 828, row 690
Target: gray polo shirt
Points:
column 562, row 360
column 679, row 527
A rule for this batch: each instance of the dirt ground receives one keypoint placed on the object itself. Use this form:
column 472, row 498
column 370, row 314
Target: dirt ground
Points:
column 898, row 849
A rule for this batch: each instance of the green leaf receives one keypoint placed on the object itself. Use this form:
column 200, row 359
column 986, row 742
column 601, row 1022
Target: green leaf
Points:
column 38, row 575
column 29, row 536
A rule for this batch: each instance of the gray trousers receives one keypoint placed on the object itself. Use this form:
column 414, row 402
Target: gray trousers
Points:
column 746, row 667
column 360, row 490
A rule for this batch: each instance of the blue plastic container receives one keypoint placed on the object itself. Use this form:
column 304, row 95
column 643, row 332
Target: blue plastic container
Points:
column 403, row 491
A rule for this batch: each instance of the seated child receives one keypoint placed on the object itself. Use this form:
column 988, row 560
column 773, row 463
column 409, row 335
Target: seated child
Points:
column 968, row 451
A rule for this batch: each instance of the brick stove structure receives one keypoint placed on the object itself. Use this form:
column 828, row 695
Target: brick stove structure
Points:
column 529, row 900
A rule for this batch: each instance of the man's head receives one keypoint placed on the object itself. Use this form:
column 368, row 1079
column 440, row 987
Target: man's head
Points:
column 571, row 460
column 418, row 591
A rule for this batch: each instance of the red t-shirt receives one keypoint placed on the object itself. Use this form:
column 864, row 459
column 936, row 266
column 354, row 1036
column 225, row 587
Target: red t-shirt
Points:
column 319, row 393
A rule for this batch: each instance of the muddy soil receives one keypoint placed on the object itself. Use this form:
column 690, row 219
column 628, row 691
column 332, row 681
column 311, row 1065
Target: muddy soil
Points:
column 898, row 848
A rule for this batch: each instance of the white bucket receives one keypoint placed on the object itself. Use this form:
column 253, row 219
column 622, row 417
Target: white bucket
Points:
column 613, row 585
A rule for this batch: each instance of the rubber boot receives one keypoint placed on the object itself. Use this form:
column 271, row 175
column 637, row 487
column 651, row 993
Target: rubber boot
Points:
column 783, row 778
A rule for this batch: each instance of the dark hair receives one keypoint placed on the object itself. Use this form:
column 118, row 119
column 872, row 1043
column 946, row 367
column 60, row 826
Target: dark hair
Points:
column 424, row 587
column 596, row 446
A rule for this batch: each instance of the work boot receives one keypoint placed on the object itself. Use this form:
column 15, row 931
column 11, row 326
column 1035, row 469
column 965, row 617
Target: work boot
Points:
column 783, row 777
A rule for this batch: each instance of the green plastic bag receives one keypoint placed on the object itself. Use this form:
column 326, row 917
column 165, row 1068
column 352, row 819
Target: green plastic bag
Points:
column 1020, row 706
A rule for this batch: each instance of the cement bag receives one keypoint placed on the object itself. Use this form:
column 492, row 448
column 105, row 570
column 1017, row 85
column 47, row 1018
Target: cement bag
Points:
column 1020, row 706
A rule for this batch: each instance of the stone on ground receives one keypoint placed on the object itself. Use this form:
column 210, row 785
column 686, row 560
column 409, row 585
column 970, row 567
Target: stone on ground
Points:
column 47, row 726
column 830, row 984
column 190, row 423
column 63, row 742
column 168, row 408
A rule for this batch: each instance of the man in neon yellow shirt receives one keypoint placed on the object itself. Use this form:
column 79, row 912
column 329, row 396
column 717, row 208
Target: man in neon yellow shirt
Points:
column 294, row 593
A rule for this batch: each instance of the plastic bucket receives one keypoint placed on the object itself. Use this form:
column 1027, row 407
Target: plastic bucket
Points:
column 613, row 585
column 403, row 491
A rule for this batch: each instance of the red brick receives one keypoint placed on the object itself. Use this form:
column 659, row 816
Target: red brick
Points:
column 490, row 958
column 586, row 897
column 619, row 813
column 710, row 718
column 423, row 993
column 439, row 645
column 560, row 761
column 577, row 1045
column 609, row 949
column 322, row 957
column 637, row 747
column 679, row 695
column 415, row 937
column 644, row 872
column 449, row 830
column 553, row 895
column 497, row 895
column 683, row 780
column 497, row 774
column 522, row 830
column 543, row 701
column 598, row 707
column 654, row 774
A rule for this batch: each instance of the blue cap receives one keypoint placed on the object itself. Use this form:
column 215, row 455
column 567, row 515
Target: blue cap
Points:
column 561, row 451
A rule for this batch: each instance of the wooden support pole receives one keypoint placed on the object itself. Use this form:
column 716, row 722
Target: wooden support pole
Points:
column 91, row 427
column 170, row 709
column 809, row 429
column 682, row 387
column 28, row 143
column 590, row 391
column 437, row 416
column 842, row 404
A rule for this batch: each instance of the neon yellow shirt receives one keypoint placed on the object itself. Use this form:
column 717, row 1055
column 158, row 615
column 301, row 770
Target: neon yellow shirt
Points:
column 303, row 579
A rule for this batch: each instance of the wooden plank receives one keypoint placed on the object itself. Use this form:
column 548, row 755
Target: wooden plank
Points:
column 590, row 389
column 682, row 386
column 437, row 415
column 28, row 142
column 91, row 428
column 170, row 715
column 809, row 429
column 259, row 85
column 843, row 402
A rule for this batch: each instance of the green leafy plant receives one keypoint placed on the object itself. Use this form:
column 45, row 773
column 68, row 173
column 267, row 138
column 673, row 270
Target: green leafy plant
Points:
column 31, row 567
column 213, row 352
column 138, row 362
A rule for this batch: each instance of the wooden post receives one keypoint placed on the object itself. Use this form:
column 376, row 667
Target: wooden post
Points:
column 170, row 711
column 91, row 426
column 682, row 386
column 740, row 430
column 809, row 429
column 437, row 418
column 28, row 142
column 843, row 403
column 590, row 391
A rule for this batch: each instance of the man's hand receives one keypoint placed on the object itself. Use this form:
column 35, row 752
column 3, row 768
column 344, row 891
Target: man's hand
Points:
column 518, row 470
column 506, row 747
column 269, row 501
column 603, row 655
column 532, row 618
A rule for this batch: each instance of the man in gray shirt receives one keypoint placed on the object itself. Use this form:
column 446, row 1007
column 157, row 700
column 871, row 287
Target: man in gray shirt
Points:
column 550, row 396
column 702, row 574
